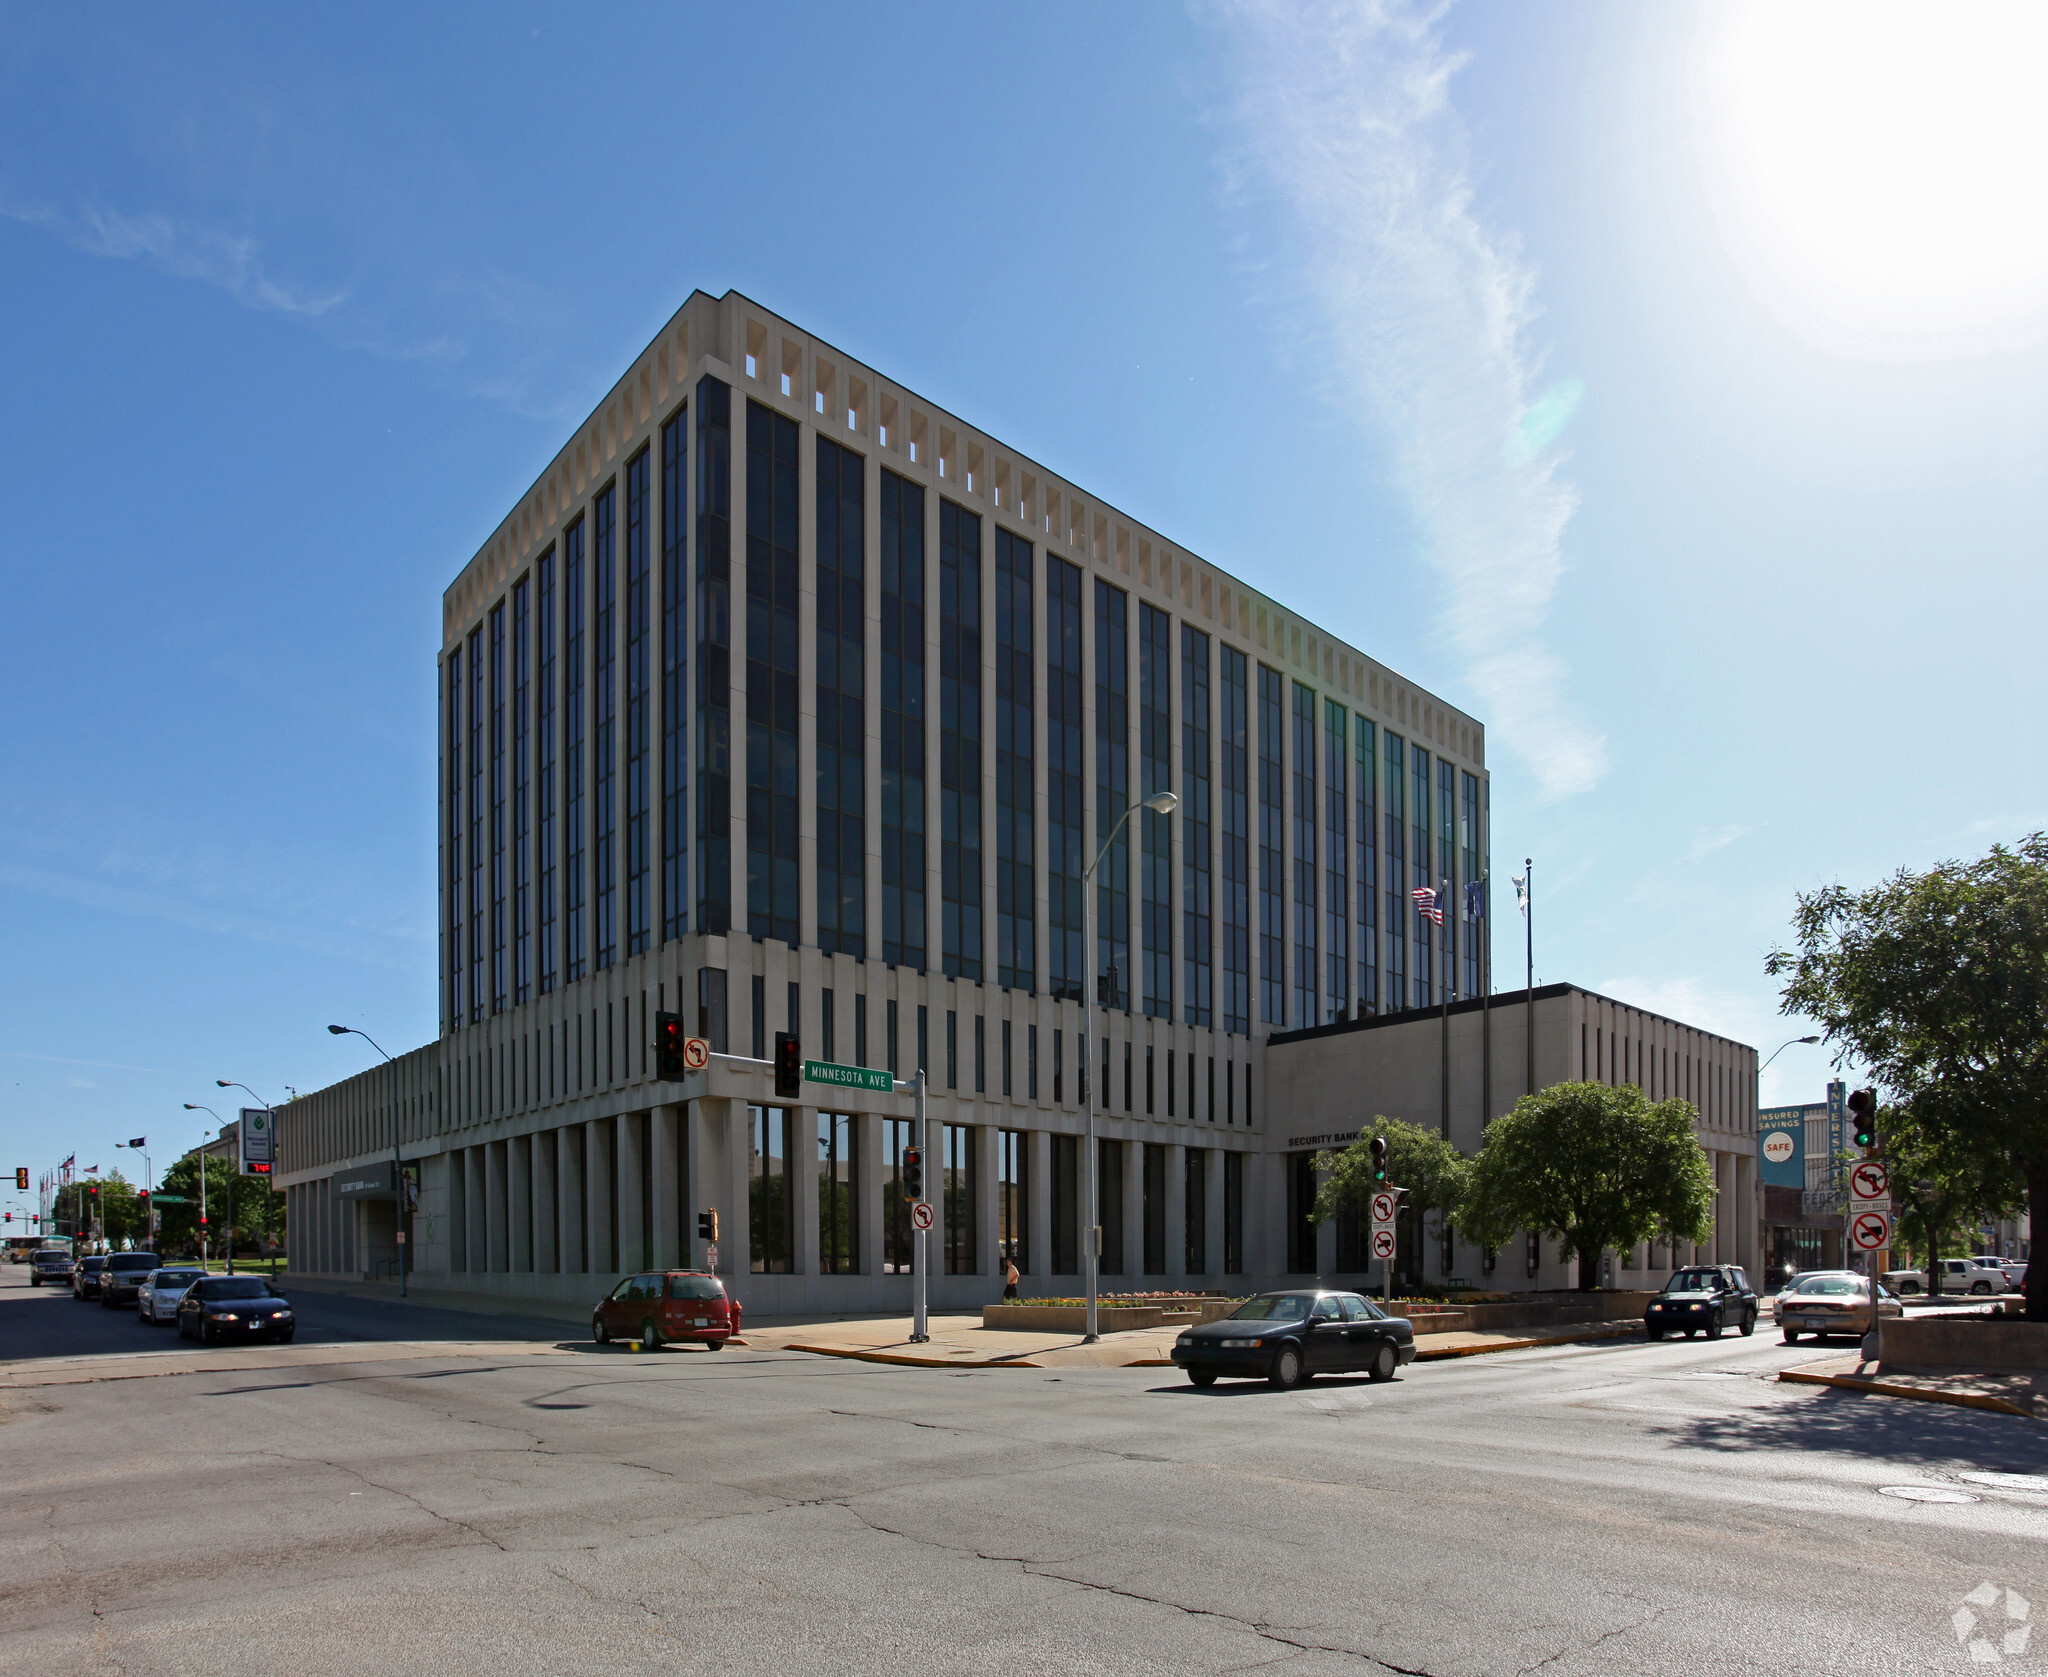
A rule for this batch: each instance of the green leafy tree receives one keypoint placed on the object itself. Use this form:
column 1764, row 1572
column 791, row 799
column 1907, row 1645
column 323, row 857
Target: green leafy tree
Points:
column 108, row 1202
column 232, row 1200
column 1593, row 1167
column 1938, row 983
column 1433, row 1171
column 1937, row 1187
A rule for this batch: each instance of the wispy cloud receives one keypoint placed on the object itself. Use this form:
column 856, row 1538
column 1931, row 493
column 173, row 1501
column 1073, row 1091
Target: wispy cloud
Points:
column 1340, row 113
column 1711, row 839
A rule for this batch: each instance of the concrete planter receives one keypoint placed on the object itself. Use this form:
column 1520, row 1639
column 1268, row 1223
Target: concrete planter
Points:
column 1965, row 1342
column 1069, row 1318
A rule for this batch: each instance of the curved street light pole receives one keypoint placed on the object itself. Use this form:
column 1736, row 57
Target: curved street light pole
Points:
column 269, row 1183
column 397, row 1163
column 1758, row 1103
column 1160, row 803
column 193, row 1106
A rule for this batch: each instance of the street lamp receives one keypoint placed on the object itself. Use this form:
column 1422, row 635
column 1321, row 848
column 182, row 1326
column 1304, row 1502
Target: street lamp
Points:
column 1757, row 1105
column 397, row 1163
column 148, row 1182
column 1160, row 803
column 269, row 1179
column 1775, row 1052
column 215, row 1116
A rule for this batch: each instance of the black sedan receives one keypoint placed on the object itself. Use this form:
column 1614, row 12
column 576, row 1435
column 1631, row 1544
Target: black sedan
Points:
column 234, row 1307
column 1702, row 1300
column 85, row 1277
column 1286, row 1338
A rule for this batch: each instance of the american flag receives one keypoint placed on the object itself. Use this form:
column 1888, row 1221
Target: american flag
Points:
column 1428, row 904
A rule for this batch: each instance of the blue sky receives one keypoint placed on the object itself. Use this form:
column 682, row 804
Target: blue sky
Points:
column 1665, row 386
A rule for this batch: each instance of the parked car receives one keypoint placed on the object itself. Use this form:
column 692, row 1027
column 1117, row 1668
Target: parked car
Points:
column 85, row 1276
column 125, row 1272
column 234, row 1307
column 157, row 1298
column 1286, row 1338
column 668, row 1307
column 1705, row 1299
column 1958, row 1275
column 1823, row 1302
column 51, row 1266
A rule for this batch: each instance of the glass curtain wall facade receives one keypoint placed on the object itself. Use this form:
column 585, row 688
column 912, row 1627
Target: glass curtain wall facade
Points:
column 1398, row 906
column 1337, row 858
column 1365, row 762
column 774, row 893
column 1112, row 797
column 522, row 791
column 604, row 724
column 714, row 656
column 841, row 698
column 454, row 888
column 960, row 756
column 639, row 706
column 1155, row 831
column 500, row 954
column 771, row 1211
column 1474, row 911
column 1235, row 757
column 1306, row 985
column 838, row 1194
column 574, row 955
column 1422, row 862
column 479, row 926
column 675, row 688
column 1447, row 870
column 957, row 1160
column 1016, row 847
column 1272, row 850
column 903, row 723
column 1065, row 767
column 545, row 826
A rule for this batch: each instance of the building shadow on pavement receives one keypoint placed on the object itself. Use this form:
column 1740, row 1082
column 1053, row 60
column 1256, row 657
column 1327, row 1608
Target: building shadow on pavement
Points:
column 1881, row 1428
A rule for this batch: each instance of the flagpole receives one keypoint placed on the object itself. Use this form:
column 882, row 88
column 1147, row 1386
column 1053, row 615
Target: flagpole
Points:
column 1529, row 932
column 1443, row 891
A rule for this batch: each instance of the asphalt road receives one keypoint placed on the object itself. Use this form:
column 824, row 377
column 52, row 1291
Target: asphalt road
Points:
column 1611, row 1508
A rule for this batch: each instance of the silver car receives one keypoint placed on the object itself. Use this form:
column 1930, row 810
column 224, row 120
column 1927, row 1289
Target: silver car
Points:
column 157, row 1298
column 1827, row 1301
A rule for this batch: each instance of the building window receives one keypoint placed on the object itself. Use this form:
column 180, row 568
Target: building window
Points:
column 544, row 769
column 1112, row 797
column 604, row 719
column 573, row 606
column 1301, row 1228
column 522, row 790
column 1237, row 921
column 838, row 1195
column 1421, row 861
column 1337, row 857
column 500, row 953
column 1066, row 1203
column 675, row 687
column 771, row 1226
column 1065, row 674
column 1016, row 803
column 772, row 584
column 1272, row 850
column 960, row 737
column 1031, row 1062
column 639, row 874
column 980, row 1054
column 1366, row 767
column 898, row 1248
column 958, row 1166
column 842, row 701
column 1475, row 931
column 1398, row 907
column 903, row 727
column 1233, row 1214
column 1195, row 1208
column 952, row 1049
column 1154, row 1206
column 714, row 656
column 454, row 953
column 479, row 832
column 1013, row 1206
column 1197, row 907
column 1155, row 836
column 1306, row 978
column 1109, row 1202
column 1447, row 868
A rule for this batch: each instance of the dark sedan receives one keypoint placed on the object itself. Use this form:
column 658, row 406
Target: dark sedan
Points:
column 85, row 1277
column 234, row 1307
column 1286, row 1338
column 124, row 1274
column 1702, row 1300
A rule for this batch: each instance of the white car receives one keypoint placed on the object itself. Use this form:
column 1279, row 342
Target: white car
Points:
column 1829, row 1301
column 1958, row 1275
column 156, row 1300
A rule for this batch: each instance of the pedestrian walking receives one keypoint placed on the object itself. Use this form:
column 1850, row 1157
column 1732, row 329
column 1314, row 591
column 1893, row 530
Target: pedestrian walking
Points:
column 1009, row 1279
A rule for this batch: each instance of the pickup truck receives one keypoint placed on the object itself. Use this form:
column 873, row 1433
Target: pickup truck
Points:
column 1958, row 1275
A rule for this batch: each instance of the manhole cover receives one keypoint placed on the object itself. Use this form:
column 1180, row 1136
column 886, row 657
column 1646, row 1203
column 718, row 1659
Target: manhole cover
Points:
column 2007, row 1481
column 1926, row 1493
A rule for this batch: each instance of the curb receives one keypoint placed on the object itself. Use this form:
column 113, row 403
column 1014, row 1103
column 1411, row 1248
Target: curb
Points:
column 1618, row 1331
column 902, row 1359
column 1891, row 1388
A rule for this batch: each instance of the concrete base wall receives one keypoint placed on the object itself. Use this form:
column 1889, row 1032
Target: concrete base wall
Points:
column 1966, row 1342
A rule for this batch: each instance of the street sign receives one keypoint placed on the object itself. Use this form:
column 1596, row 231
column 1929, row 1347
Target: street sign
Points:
column 696, row 1053
column 921, row 1214
column 848, row 1077
column 711, row 1256
column 1870, row 1230
column 1838, row 1095
column 171, row 1199
column 1383, row 1208
column 1383, row 1244
column 1869, row 1180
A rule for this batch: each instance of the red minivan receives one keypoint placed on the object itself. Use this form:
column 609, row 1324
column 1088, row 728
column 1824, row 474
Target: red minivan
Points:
column 676, row 1306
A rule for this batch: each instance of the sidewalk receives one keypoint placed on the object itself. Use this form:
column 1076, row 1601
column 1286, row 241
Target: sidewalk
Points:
column 2014, row 1393
column 962, row 1342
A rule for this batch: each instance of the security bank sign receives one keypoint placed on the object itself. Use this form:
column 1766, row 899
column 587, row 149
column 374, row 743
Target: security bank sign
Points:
column 1781, row 1144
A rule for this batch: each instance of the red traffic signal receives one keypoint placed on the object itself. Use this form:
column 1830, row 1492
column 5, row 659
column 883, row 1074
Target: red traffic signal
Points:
column 913, row 1174
column 789, row 1066
column 669, row 1038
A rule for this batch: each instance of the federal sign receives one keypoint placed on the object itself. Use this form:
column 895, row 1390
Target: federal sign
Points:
column 848, row 1077
column 696, row 1053
column 1869, row 1180
column 921, row 1214
column 1383, row 1244
column 1383, row 1206
column 1870, row 1231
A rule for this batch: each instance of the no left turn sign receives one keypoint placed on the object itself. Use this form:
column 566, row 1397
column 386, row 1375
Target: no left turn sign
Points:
column 1869, row 1181
column 696, row 1053
column 1383, row 1243
column 1383, row 1208
column 921, row 1214
column 1870, row 1230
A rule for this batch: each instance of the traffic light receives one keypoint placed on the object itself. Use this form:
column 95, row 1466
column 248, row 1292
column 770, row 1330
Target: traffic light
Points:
column 10, row 1216
column 669, row 1036
column 707, row 1226
column 142, row 1204
column 913, row 1174
column 1379, row 1158
column 1863, row 1108
column 789, row 1066
column 21, row 1178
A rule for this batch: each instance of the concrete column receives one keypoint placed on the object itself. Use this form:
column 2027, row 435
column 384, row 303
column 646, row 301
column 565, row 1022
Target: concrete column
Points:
column 632, row 1172
column 519, row 1189
column 720, row 1181
column 803, row 1186
column 455, row 1193
column 1176, row 1211
column 569, row 1144
column 1749, row 1240
column 872, row 1186
column 1212, row 1198
column 497, row 1206
column 476, row 1192
column 663, row 1162
column 987, row 1223
column 1133, row 1278
column 542, row 1164
column 1037, row 1202
column 599, row 1140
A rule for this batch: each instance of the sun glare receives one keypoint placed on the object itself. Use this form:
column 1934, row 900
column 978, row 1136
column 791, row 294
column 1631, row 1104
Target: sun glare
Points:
column 1882, row 168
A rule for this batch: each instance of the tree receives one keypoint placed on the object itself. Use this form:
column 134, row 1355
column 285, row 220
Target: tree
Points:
column 1591, row 1166
column 105, row 1208
column 1938, row 983
column 1938, row 1187
column 1433, row 1171
column 232, row 1201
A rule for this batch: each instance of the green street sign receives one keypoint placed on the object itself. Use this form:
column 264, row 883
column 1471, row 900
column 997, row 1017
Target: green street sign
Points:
column 172, row 1199
column 848, row 1077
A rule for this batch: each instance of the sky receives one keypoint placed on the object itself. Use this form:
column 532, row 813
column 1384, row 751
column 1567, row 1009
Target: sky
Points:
column 1667, row 387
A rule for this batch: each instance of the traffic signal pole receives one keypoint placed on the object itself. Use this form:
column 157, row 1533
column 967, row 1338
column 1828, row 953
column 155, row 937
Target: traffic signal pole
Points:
column 920, row 1262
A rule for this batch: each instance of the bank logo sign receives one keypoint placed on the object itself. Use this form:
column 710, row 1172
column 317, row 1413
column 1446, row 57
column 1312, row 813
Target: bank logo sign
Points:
column 1781, row 1143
